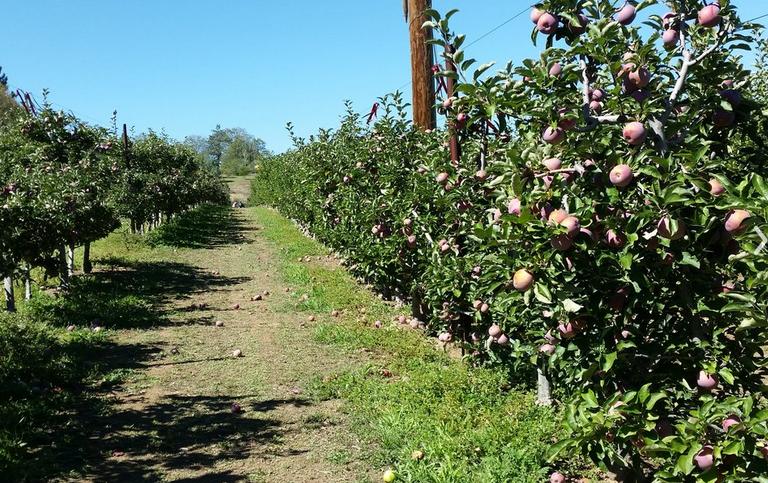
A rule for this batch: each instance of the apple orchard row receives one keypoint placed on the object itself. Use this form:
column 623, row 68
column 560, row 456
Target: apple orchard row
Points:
column 600, row 231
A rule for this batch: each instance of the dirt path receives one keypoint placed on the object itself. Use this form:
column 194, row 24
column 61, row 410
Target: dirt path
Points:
column 173, row 420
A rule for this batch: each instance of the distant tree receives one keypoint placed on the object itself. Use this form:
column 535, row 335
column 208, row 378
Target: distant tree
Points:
column 242, row 154
column 232, row 151
column 198, row 143
column 7, row 104
column 218, row 141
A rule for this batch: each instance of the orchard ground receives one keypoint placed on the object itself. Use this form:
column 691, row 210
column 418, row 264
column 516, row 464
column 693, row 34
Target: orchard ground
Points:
column 323, row 398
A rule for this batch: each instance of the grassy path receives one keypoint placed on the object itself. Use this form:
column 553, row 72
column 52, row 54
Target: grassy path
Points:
column 324, row 397
column 173, row 419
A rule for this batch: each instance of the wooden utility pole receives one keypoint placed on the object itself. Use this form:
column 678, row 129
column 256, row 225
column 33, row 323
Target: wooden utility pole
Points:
column 422, row 60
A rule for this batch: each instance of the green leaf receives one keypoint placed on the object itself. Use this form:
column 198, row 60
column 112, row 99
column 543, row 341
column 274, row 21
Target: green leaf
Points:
column 554, row 450
column 727, row 375
column 655, row 397
column 590, row 398
column 610, row 358
column 571, row 306
column 644, row 393
column 542, row 293
column 626, row 261
column 690, row 260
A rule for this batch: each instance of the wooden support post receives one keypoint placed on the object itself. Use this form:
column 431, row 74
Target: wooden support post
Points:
column 422, row 60
column 543, row 389
column 71, row 260
column 63, row 269
column 28, row 282
column 87, row 266
column 10, row 300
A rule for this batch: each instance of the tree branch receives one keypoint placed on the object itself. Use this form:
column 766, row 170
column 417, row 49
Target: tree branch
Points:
column 658, row 124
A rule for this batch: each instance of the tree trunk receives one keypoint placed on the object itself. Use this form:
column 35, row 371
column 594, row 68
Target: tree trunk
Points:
column 10, row 301
column 71, row 259
column 28, row 282
column 87, row 267
column 63, row 272
column 544, row 392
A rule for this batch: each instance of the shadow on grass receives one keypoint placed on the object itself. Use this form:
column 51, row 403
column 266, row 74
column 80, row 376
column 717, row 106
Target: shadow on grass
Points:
column 190, row 433
column 57, row 418
column 52, row 388
column 208, row 226
column 129, row 294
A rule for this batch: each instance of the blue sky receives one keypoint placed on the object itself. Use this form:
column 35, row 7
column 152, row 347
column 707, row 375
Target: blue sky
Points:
column 186, row 65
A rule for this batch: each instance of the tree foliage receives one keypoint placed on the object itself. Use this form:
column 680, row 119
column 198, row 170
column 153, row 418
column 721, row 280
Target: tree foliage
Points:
column 64, row 183
column 604, row 225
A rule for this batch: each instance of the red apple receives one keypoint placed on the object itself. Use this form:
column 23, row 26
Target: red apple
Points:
column 634, row 133
column 513, row 207
column 670, row 37
column 731, row 420
column 626, row 15
column 494, row 331
column 522, row 280
column 552, row 135
column 716, row 188
column 734, row 221
column 615, row 239
column 567, row 330
column 709, row 16
column 621, row 175
column 640, row 95
column 552, row 163
column 663, row 229
column 722, row 118
column 705, row 458
column 556, row 69
column 536, row 14
column 565, row 123
column 618, row 300
column 706, row 381
column 442, row 178
column 547, row 23
column 557, row 216
column 581, row 27
column 561, row 243
column 557, row 477
column 732, row 96
column 668, row 19
column 572, row 225
column 547, row 349
column 639, row 78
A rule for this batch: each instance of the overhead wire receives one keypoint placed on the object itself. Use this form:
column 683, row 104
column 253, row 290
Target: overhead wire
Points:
column 527, row 8
column 483, row 36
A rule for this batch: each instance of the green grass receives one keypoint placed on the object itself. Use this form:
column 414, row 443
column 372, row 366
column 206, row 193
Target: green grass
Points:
column 53, row 380
column 467, row 421
column 44, row 370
